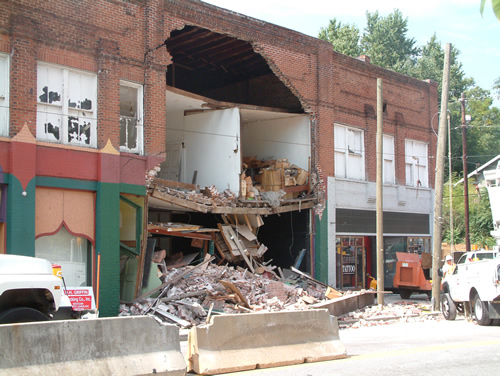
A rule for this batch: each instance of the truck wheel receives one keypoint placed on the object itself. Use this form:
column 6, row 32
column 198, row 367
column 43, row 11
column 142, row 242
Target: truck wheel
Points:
column 405, row 294
column 480, row 311
column 21, row 314
column 448, row 307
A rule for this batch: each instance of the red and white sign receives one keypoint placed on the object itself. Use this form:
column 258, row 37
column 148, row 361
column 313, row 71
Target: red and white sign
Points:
column 81, row 298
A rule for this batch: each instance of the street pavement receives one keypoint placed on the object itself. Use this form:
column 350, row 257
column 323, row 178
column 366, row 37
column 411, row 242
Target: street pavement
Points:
column 407, row 347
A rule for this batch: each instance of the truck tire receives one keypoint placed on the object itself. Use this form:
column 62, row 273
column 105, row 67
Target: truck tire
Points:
column 21, row 314
column 448, row 307
column 405, row 294
column 480, row 311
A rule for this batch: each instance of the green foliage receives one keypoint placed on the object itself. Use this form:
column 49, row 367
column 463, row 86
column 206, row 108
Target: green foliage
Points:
column 495, row 5
column 385, row 42
column 480, row 218
column 344, row 38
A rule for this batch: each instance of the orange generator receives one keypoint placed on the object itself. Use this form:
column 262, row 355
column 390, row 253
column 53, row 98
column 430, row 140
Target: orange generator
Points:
column 413, row 274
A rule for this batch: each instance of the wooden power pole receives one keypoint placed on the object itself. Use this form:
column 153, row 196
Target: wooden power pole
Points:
column 380, row 207
column 439, row 181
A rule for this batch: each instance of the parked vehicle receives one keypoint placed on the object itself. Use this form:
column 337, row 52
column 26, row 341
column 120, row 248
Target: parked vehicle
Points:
column 474, row 282
column 29, row 290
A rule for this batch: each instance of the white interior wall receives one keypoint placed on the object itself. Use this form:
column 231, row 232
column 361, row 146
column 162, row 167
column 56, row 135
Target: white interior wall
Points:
column 212, row 148
column 285, row 137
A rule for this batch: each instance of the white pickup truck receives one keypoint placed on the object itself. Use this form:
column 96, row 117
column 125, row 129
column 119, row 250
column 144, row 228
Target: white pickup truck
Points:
column 29, row 291
column 474, row 284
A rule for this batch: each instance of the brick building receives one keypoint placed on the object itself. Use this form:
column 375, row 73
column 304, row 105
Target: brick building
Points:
column 94, row 94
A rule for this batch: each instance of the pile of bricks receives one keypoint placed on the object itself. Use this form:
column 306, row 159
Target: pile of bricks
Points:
column 224, row 290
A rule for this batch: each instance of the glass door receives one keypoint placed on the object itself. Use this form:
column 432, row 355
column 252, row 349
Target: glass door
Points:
column 351, row 262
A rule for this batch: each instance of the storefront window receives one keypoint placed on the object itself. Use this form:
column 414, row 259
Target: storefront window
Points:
column 71, row 252
column 351, row 262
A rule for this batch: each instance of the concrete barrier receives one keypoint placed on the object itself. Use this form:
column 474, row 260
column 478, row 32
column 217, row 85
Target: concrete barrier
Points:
column 261, row 340
column 345, row 304
column 110, row 346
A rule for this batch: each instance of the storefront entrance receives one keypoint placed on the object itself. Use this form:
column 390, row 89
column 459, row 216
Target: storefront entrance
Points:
column 351, row 262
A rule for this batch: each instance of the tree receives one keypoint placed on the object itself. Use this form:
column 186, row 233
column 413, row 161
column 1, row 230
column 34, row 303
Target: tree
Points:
column 495, row 5
column 496, row 88
column 480, row 219
column 429, row 65
column 385, row 41
column 344, row 38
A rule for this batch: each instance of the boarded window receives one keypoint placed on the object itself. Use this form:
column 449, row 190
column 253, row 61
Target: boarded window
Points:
column 66, row 106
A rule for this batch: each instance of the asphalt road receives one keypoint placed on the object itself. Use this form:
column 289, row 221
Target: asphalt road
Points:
column 431, row 347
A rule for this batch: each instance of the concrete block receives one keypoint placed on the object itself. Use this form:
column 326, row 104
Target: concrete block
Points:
column 345, row 304
column 242, row 342
column 110, row 346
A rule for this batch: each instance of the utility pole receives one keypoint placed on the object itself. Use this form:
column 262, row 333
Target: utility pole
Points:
column 466, row 180
column 380, row 207
column 452, row 243
column 438, row 184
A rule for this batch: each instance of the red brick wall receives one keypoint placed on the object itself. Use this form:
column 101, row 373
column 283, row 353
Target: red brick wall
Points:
column 119, row 40
column 334, row 87
column 105, row 37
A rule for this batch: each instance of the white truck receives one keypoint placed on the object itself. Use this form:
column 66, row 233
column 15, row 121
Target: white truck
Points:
column 29, row 291
column 474, row 285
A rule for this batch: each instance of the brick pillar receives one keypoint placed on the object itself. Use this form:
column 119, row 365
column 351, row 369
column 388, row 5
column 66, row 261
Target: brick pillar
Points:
column 23, row 75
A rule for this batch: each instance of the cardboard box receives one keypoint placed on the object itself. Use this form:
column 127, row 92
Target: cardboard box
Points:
column 282, row 163
column 290, row 181
column 302, row 177
column 271, row 179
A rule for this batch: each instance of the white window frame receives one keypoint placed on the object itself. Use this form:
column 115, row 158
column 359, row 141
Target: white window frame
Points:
column 61, row 111
column 139, row 148
column 389, row 172
column 4, row 94
column 349, row 152
column 416, row 163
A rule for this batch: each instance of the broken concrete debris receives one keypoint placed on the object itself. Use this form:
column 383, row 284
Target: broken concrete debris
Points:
column 224, row 289
column 400, row 311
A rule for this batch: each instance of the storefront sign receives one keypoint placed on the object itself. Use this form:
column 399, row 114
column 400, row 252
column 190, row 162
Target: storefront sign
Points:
column 81, row 298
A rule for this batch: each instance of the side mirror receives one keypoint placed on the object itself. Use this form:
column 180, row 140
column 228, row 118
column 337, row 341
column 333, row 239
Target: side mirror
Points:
column 440, row 273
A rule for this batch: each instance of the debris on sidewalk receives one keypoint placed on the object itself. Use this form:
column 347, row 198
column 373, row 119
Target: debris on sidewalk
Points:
column 224, row 289
column 401, row 311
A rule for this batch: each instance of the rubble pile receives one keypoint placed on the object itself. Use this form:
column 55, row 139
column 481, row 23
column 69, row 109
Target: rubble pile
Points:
column 402, row 311
column 223, row 290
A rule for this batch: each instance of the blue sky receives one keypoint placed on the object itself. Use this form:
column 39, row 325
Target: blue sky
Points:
column 458, row 22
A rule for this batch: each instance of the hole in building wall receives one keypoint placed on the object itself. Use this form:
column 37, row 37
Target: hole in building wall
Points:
column 226, row 69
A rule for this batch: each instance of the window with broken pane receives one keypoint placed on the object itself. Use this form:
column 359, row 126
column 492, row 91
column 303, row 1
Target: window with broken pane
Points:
column 131, row 118
column 416, row 164
column 66, row 108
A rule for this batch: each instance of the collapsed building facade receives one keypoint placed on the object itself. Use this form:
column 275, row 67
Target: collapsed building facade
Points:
column 138, row 126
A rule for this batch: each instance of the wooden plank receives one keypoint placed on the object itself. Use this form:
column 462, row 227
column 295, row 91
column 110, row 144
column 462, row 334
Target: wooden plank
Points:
column 173, row 226
column 162, row 311
column 309, row 277
column 232, row 288
column 249, row 225
column 228, row 239
column 245, row 232
column 176, row 184
column 179, row 201
column 242, row 249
